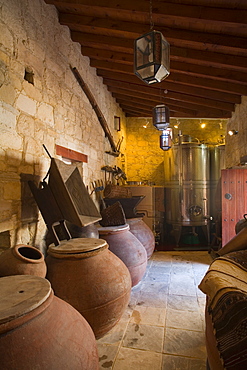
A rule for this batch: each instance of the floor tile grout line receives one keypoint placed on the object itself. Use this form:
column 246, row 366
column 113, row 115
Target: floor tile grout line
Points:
column 122, row 339
column 155, row 263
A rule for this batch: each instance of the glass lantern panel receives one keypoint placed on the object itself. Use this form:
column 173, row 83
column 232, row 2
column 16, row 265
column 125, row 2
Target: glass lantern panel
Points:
column 165, row 61
column 161, row 73
column 146, row 72
column 144, row 51
column 161, row 117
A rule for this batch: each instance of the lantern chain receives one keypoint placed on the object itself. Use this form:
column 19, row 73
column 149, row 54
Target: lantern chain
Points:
column 151, row 16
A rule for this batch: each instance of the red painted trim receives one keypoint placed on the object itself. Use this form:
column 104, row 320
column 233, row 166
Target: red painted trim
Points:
column 71, row 154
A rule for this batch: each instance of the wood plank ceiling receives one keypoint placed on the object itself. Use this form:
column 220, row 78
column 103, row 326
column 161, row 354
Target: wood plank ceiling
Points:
column 208, row 40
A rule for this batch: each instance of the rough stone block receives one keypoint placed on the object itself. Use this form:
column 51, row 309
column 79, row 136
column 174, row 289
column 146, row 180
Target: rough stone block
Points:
column 12, row 190
column 7, row 93
column 6, row 39
column 25, row 104
column 26, row 125
column 45, row 113
column 32, row 91
column 10, row 140
column 4, row 60
column 13, row 157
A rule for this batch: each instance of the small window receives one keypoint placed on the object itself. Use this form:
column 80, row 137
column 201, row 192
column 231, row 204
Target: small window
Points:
column 117, row 125
column 29, row 76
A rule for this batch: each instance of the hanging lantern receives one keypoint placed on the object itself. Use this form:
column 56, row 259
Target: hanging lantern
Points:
column 152, row 57
column 161, row 117
column 165, row 139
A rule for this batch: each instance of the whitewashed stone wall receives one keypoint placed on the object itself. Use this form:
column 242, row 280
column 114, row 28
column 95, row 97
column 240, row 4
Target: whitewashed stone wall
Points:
column 236, row 145
column 53, row 110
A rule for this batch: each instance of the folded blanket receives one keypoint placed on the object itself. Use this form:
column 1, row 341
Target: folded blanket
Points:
column 225, row 284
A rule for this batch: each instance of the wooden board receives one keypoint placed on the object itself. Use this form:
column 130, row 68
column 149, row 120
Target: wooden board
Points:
column 20, row 294
column 234, row 200
column 71, row 194
column 77, row 246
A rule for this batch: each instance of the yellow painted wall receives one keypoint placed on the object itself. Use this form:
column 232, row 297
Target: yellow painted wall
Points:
column 145, row 159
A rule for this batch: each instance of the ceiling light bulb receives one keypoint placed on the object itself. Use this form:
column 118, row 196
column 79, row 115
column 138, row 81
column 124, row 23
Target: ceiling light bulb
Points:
column 203, row 125
column 232, row 132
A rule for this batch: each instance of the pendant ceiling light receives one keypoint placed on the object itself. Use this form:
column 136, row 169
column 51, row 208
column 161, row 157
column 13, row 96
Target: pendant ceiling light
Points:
column 161, row 120
column 151, row 55
column 161, row 117
column 166, row 140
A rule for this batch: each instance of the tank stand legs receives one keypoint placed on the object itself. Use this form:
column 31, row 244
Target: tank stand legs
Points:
column 177, row 229
column 206, row 231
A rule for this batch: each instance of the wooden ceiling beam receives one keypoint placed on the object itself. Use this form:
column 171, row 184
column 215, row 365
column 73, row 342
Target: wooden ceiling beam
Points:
column 183, row 107
column 208, row 51
column 172, row 98
column 127, row 106
column 137, row 109
column 176, row 37
column 209, row 72
column 199, row 70
column 197, row 25
column 240, row 4
column 190, row 12
column 126, row 45
column 208, row 59
column 150, row 104
column 143, row 113
column 166, row 86
column 192, row 79
column 102, row 42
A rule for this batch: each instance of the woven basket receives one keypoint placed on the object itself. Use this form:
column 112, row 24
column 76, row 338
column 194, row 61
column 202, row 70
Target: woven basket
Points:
column 113, row 215
column 116, row 191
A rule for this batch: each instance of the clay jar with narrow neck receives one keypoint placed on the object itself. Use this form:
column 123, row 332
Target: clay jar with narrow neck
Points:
column 22, row 259
column 128, row 248
column 40, row 331
column 143, row 233
column 86, row 274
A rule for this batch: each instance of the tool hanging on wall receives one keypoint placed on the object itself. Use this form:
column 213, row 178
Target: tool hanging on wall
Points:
column 98, row 112
column 116, row 172
column 116, row 154
column 98, row 188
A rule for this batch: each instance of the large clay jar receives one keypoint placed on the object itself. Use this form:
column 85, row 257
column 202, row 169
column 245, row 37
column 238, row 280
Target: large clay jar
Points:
column 143, row 233
column 22, row 260
column 86, row 274
column 89, row 231
column 40, row 331
column 128, row 248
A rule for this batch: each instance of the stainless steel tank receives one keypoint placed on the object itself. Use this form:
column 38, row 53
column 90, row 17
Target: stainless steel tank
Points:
column 187, row 183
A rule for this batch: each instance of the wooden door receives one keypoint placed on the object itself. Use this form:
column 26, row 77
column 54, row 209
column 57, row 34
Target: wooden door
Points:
column 234, row 200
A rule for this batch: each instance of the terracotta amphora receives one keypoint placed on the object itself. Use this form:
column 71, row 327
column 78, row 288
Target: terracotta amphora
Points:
column 40, row 331
column 86, row 274
column 143, row 233
column 22, row 259
column 128, row 248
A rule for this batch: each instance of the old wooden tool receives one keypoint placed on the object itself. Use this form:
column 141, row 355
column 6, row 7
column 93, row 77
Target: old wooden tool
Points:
column 98, row 112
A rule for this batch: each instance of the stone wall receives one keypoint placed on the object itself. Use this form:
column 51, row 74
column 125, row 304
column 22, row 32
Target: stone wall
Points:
column 145, row 159
column 236, row 145
column 144, row 156
column 42, row 103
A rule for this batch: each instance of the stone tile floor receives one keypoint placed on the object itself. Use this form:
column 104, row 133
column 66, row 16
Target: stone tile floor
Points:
column 163, row 326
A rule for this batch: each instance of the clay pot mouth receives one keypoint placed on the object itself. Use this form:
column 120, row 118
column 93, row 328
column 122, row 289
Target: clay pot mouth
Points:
column 29, row 253
column 76, row 255
column 28, row 296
